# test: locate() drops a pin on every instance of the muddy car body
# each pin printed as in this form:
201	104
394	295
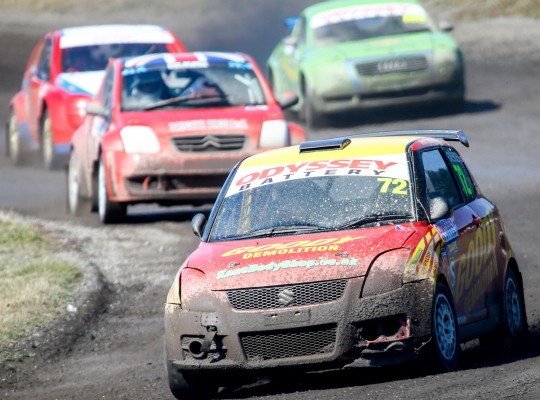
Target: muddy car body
63	72
367	250
168	128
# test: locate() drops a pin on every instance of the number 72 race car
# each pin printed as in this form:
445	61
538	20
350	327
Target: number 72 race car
366	250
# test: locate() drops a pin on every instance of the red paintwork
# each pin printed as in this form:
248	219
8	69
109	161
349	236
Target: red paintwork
90	147
37	95
362	245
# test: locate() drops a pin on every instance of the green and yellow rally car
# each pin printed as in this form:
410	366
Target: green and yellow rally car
346	54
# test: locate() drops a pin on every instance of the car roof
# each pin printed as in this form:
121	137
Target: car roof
336	4
89	35
187	59
355	146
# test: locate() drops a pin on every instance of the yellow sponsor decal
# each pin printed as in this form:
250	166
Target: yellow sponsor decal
423	261
301	246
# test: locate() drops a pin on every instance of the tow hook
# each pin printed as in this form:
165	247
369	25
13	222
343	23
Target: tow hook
208	339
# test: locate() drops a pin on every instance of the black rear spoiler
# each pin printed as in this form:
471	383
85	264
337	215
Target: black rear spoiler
448	135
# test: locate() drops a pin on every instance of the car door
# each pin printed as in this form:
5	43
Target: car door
480	270
38	80
98	124
458	232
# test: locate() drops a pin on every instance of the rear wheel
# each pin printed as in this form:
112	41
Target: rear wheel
48	156
446	345
14	141
109	212
515	318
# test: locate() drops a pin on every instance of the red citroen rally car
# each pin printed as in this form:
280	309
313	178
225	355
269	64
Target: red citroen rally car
340	253
64	71
168	128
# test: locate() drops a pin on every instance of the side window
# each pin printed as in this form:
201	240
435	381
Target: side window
462	174
438	178
44	66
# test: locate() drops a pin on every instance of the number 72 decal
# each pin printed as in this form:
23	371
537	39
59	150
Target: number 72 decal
397	186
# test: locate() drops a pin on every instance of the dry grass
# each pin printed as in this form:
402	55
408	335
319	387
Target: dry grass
34	284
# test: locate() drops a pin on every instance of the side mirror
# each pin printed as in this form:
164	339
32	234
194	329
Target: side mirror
197	224
95	108
446	26
439	208
287	100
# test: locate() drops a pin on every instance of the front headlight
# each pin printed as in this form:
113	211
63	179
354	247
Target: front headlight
386	272
195	295
139	139
274	134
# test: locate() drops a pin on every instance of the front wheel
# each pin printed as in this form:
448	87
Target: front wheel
48	156
109	212
313	118
446	345
76	204
186	386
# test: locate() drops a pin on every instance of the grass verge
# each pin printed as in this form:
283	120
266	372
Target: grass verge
35	285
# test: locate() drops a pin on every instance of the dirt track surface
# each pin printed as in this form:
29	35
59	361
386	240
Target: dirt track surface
116	353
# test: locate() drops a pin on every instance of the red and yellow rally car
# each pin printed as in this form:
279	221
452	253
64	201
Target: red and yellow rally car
64	71
168	128
341	253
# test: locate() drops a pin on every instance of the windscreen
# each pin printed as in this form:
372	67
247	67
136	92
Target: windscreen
96	57
322	195
368	21
185	85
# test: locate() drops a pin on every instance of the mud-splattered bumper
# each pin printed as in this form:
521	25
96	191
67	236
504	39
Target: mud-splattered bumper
170	177
348	332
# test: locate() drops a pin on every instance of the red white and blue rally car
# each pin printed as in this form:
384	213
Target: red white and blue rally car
168	128
63	72
364	250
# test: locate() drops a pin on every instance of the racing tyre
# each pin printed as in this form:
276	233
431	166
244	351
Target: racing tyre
48	156
446	346
75	202
514	322
313	118
188	386
109	212
13	137
515	317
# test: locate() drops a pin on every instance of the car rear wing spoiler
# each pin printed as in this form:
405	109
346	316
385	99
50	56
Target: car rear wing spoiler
340	143
448	135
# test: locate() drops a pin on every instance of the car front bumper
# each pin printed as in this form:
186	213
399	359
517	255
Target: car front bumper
349	332
169	178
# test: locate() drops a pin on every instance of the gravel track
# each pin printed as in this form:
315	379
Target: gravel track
115	351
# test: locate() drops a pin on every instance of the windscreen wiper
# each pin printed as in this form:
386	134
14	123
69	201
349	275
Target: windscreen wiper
372	218
184	99
279	230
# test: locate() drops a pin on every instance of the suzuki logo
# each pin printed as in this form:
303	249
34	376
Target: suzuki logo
285	297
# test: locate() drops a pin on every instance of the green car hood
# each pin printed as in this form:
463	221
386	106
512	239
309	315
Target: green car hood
422	42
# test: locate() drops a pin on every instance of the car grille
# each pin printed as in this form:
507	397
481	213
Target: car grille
202	143
286	296
289	343
405	64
